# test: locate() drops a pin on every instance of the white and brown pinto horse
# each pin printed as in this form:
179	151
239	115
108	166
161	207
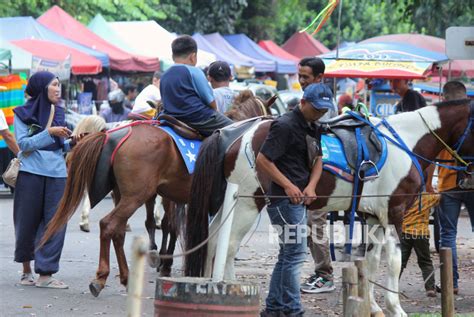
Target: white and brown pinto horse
398	177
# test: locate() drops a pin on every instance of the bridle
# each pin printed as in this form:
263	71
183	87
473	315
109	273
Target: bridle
466	161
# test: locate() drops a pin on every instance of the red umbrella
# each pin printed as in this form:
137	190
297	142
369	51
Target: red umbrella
81	64
431	43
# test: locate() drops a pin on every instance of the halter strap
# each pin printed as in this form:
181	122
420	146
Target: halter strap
262	106
447	147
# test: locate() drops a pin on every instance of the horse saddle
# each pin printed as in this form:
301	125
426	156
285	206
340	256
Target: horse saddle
181	128
352	146
227	137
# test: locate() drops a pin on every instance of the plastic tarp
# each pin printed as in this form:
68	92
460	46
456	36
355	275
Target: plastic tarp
20	28
272	48
304	45
380	60
99	26
5	54
81	64
244	44
151	39
61	22
431	43
21	59
260	65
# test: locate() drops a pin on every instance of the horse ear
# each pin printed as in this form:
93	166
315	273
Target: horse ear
271	101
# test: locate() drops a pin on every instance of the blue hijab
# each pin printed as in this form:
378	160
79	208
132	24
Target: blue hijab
37	109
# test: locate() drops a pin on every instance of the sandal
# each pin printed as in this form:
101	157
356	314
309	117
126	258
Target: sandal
51	283
27	279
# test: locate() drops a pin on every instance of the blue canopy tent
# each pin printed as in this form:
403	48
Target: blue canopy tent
221	55
260	65
245	45
20	28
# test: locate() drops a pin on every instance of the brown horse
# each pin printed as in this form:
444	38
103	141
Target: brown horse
385	199
146	164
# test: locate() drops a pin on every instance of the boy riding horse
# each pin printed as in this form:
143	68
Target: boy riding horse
185	92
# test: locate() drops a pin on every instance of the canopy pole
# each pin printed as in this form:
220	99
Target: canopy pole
440	74
338	29
449	71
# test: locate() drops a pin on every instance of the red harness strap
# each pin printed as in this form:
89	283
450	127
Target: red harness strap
129	133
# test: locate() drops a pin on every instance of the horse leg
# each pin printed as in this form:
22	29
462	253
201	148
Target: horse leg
86	208
165	230
212	244
125	209
170	228
158	209
394	259
374	240
104	256
150	226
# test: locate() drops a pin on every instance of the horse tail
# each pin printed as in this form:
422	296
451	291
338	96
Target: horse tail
197	217
81	173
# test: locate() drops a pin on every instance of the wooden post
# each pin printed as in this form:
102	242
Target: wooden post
363	288
135	279
447	298
349	289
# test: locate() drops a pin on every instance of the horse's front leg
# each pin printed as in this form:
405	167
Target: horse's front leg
85	210
375	240
103	270
394	259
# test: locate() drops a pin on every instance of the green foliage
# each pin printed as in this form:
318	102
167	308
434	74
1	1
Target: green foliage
268	19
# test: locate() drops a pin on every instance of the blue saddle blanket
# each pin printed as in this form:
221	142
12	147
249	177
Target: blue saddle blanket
334	157
189	149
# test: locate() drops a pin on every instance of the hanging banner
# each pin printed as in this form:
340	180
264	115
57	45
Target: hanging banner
62	69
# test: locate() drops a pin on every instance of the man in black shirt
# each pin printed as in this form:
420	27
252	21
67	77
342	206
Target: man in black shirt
283	157
411	100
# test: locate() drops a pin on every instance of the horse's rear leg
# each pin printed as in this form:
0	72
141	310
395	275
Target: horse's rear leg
375	240
150	224
85	210
394	259
158	210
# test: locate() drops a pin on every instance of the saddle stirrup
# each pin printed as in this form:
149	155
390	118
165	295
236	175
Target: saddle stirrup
371	177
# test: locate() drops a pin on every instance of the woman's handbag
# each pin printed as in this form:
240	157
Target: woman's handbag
11	173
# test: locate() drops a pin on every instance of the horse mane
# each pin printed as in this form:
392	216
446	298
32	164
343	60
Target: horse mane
90	124
245	105
456	102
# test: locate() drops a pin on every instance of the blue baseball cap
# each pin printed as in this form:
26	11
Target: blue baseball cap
319	95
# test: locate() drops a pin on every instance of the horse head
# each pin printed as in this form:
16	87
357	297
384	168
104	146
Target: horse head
462	136
247	105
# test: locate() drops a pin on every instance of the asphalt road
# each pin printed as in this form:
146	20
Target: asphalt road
254	262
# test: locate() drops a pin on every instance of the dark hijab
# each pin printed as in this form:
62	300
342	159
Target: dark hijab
37	109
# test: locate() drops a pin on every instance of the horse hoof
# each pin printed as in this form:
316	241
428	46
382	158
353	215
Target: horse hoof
158	226
85	227
377	314
95	288
154	258
128	228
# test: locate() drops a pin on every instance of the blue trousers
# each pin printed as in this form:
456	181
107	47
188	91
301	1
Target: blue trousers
35	203
290	222
450	208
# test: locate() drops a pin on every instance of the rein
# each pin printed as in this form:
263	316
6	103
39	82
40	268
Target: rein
453	153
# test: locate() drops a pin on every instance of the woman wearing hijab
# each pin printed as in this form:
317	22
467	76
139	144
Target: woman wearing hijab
41	180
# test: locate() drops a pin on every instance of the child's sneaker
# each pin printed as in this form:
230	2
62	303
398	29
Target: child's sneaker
317	284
